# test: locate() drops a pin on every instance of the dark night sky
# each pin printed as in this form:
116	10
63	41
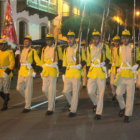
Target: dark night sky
127	2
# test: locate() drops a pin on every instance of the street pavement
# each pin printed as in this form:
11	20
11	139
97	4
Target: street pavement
35	125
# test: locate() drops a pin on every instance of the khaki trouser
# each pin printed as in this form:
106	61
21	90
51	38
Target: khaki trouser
5	84
49	89
25	88
128	85
138	80
96	86
112	78
84	76
71	91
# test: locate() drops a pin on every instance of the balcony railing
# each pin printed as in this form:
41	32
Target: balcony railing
67	14
42	5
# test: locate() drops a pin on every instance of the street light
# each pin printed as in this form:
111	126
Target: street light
137	13
119	21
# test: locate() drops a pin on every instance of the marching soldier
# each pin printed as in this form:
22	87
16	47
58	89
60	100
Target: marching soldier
72	70
49	59
7	63
114	64
98	57
26	72
126	77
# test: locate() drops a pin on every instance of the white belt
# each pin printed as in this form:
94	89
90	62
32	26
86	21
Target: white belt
75	67
53	65
133	69
100	66
126	68
4	67
96	66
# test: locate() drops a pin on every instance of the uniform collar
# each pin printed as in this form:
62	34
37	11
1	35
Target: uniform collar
129	45
74	46
99	45
27	48
50	46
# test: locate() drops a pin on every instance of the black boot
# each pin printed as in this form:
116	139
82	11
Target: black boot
126	119
114	98
49	112
98	117
71	114
26	110
121	113
2	95
5	104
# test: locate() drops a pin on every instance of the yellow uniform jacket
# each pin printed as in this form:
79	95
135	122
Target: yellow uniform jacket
94	60
125	61
48	63
7	61
28	55
69	60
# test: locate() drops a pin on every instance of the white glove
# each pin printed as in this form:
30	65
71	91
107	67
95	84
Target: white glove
5	75
118	70
102	64
104	69
134	68
17	52
34	74
63	77
78	66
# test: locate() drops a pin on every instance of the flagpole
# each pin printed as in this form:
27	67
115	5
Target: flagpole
80	35
134	14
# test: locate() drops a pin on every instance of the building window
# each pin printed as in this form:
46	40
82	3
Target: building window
22	31
44	31
76	11
66	9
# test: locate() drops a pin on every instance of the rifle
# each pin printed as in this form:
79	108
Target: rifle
80	36
139	40
87	35
103	27
105	20
56	41
134	32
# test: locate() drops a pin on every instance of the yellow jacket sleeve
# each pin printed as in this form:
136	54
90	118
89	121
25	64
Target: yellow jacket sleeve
137	54
83	55
11	59
36	58
88	56
64	58
60	54
108	54
42	56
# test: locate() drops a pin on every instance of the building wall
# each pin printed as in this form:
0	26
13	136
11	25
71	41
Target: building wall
34	23
2	11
